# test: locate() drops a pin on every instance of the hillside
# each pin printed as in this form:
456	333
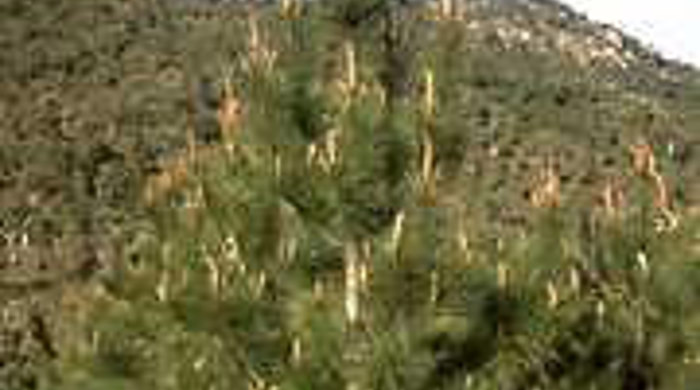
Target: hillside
348	194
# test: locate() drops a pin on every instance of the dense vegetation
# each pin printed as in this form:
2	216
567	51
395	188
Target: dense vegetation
359	194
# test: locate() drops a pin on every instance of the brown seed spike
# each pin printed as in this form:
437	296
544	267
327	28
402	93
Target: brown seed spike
546	192
612	198
429	98
229	117
172	176
290	9
446	9
643	158
644	163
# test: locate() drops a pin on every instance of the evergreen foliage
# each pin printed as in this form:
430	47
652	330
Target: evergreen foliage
346	236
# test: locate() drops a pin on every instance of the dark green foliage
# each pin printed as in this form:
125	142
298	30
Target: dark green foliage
354	15
240	277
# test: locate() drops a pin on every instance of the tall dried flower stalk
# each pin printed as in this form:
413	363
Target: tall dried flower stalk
397	233
643	262
215	274
502	274
276	157
463	244
427	164
447	8
254	42
287	242
224	260
427	172
552	295
258	283
229	115
173	174
351	66
547	188
164	284
325	152
296	354
348	83
221	261
644	163
574	280
365	255
429	96
290	9
434	286
444	10
318	290
356	277
260	56
352	283
163	287
612	198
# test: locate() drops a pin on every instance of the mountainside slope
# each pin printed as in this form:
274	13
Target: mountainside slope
111	85
350	193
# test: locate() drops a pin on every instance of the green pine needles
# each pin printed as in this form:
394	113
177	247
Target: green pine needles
365	224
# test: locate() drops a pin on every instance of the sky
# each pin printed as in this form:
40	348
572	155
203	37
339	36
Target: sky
670	26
